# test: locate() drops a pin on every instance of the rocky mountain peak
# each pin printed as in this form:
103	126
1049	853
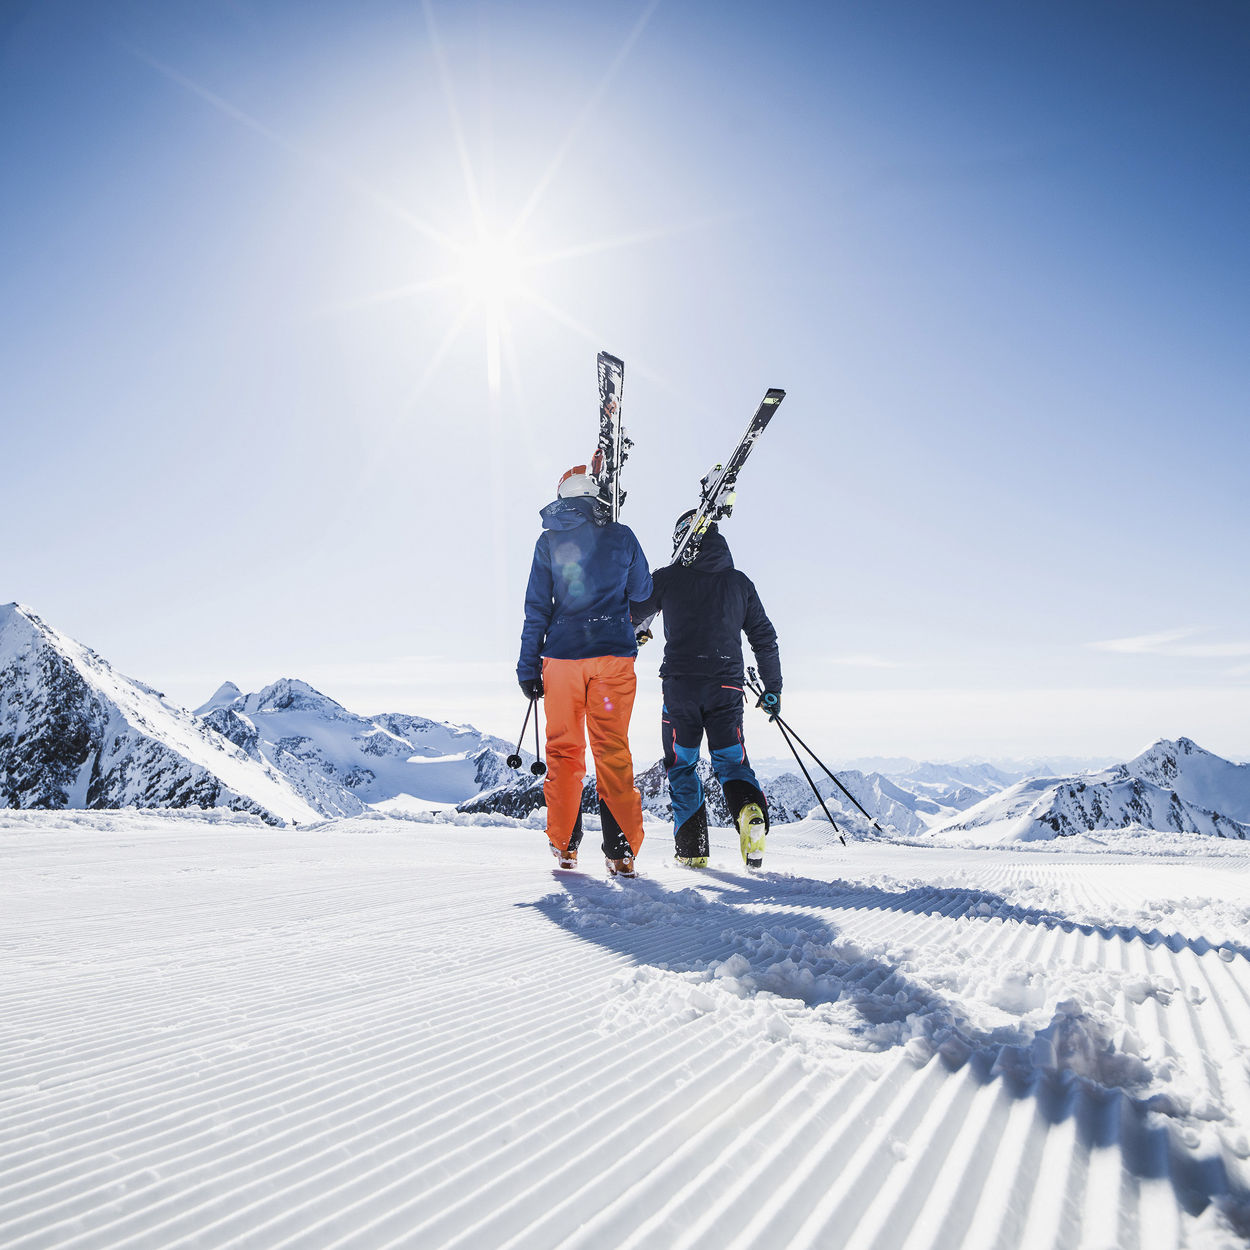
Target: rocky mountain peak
223	696
289	694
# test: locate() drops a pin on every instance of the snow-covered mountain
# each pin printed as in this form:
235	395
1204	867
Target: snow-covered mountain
343	761
953	786
894	807
76	733
1173	786
945	788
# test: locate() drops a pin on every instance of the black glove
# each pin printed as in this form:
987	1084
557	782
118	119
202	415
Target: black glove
532	688
770	701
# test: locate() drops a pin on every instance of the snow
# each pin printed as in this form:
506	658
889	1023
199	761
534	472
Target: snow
412	1031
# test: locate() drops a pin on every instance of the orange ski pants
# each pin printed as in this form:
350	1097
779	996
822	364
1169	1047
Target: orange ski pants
590	697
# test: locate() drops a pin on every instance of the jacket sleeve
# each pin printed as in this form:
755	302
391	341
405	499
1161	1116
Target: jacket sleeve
638	585
763	639
539	607
644	609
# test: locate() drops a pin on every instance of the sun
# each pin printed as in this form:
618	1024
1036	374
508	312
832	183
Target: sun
491	269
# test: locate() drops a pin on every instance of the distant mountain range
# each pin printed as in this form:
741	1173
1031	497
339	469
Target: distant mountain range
1173	786
76	733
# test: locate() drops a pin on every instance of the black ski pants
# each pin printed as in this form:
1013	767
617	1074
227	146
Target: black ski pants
694	706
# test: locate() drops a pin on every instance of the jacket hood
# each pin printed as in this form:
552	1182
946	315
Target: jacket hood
567	514
713	555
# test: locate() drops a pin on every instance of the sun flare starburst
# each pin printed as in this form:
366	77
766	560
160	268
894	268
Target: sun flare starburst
490	269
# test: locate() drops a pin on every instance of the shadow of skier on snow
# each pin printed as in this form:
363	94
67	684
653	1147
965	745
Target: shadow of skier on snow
730	939
953	902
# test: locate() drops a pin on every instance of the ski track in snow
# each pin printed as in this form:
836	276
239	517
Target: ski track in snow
384	1034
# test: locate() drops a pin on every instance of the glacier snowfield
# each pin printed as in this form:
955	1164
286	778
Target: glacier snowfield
379	1032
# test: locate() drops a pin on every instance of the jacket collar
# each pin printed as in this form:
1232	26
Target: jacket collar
567	514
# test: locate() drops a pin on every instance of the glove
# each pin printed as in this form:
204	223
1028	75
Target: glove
643	636
770	701
532	688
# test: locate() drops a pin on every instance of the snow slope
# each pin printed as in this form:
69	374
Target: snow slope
345	761
76	733
1173	785
369	1034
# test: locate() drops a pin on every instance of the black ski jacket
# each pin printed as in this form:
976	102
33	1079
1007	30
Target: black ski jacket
707	607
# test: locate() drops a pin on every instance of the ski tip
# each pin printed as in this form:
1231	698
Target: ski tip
775	395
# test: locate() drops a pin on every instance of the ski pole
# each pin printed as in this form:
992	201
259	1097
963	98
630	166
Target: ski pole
514	760
537	767
757	690
810	782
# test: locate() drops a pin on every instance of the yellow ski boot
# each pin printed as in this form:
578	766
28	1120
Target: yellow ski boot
751	827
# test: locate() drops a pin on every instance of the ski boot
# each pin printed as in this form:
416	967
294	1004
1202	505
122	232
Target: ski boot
751	829
567	859
692	861
623	867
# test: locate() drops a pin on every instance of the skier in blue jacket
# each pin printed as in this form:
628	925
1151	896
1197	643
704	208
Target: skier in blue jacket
708	605
577	654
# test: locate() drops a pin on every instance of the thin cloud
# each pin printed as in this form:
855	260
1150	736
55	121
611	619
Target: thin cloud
1171	642
863	661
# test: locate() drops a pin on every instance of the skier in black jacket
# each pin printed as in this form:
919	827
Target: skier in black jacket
707	606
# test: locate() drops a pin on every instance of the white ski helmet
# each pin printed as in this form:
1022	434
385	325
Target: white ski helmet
577	483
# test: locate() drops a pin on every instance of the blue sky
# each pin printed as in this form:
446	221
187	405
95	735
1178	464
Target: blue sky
264	414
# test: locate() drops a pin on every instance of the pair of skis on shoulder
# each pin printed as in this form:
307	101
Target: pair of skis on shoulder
717	490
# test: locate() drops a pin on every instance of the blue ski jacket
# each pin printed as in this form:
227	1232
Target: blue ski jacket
586	570
707	607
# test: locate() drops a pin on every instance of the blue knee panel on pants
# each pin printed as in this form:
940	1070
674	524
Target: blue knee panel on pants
684	786
730	764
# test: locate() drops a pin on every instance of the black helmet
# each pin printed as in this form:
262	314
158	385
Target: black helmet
683	524
706	527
